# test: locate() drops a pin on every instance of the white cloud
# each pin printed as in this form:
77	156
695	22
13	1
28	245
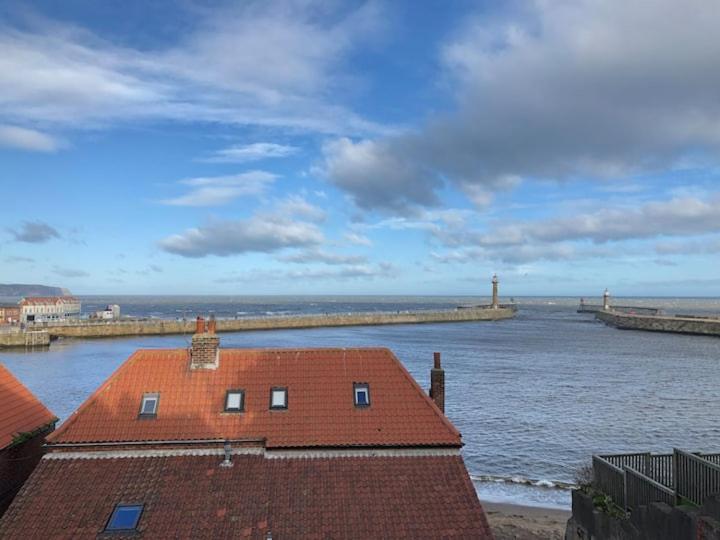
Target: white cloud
291	223
560	91
279	64
28	139
240	153
219	190
357	239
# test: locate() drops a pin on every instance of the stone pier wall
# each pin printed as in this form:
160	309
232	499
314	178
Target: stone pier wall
160	327
39	338
660	323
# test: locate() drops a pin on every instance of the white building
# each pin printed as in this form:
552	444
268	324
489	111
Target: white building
49	308
110	313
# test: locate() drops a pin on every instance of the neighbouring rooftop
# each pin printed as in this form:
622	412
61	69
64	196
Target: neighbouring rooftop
156	396
20	411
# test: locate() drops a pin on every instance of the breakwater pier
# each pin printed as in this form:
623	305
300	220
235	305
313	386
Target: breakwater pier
102	329
678	324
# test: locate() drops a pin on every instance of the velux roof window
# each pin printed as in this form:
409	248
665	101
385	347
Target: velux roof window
125	517
235	401
149	405
362	394
278	398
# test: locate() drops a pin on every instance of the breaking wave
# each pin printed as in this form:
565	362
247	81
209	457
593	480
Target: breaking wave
521	480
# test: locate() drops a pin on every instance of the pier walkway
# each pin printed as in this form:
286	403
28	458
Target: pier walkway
87	329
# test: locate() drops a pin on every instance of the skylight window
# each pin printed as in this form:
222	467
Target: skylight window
362	394
125	517
278	398
149	405
235	401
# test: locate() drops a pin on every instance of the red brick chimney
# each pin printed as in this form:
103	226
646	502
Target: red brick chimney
437	383
205	349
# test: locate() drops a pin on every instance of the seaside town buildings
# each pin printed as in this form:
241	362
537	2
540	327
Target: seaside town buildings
49	308
9	314
24	423
264	444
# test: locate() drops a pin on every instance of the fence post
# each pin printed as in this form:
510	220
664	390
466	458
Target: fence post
676	476
625	490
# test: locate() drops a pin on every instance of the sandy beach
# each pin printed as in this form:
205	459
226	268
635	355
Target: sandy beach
513	522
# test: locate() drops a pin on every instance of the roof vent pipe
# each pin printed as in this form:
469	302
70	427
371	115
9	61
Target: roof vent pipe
227	462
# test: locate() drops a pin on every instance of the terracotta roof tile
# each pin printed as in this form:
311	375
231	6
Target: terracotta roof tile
192	497
321	410
20	410
45	300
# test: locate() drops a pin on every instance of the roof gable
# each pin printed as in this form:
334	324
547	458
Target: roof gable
20	410
321	410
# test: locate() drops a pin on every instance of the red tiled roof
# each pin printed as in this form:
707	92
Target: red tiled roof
44	300
309	499
321	410
20	410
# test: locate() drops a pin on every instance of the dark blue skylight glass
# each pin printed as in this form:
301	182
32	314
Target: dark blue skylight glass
124	517
362	397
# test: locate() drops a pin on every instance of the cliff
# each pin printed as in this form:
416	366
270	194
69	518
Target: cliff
19	290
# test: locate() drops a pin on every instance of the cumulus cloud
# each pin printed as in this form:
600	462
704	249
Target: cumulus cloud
684	216
597	234
242	153
287	63
28	139
291	223
564	90
219	190
34	232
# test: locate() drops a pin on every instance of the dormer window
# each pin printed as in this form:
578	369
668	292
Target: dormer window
125	517
278	398
235	401
149	405
362	394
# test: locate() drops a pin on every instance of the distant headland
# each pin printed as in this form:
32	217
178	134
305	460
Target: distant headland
20	290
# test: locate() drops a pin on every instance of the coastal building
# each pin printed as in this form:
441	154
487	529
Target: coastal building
49	308
264	444
110	313
24	423
9	314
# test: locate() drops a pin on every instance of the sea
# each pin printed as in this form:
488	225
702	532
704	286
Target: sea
534	397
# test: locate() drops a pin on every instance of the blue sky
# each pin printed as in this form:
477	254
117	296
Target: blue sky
361	147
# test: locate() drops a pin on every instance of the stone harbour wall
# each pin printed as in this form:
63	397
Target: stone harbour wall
40	338
660	323
160	327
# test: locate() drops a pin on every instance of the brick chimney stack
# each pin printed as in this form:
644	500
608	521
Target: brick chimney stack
437	383
205	349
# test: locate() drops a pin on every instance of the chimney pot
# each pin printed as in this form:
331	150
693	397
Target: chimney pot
437	383
200	325
212	324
